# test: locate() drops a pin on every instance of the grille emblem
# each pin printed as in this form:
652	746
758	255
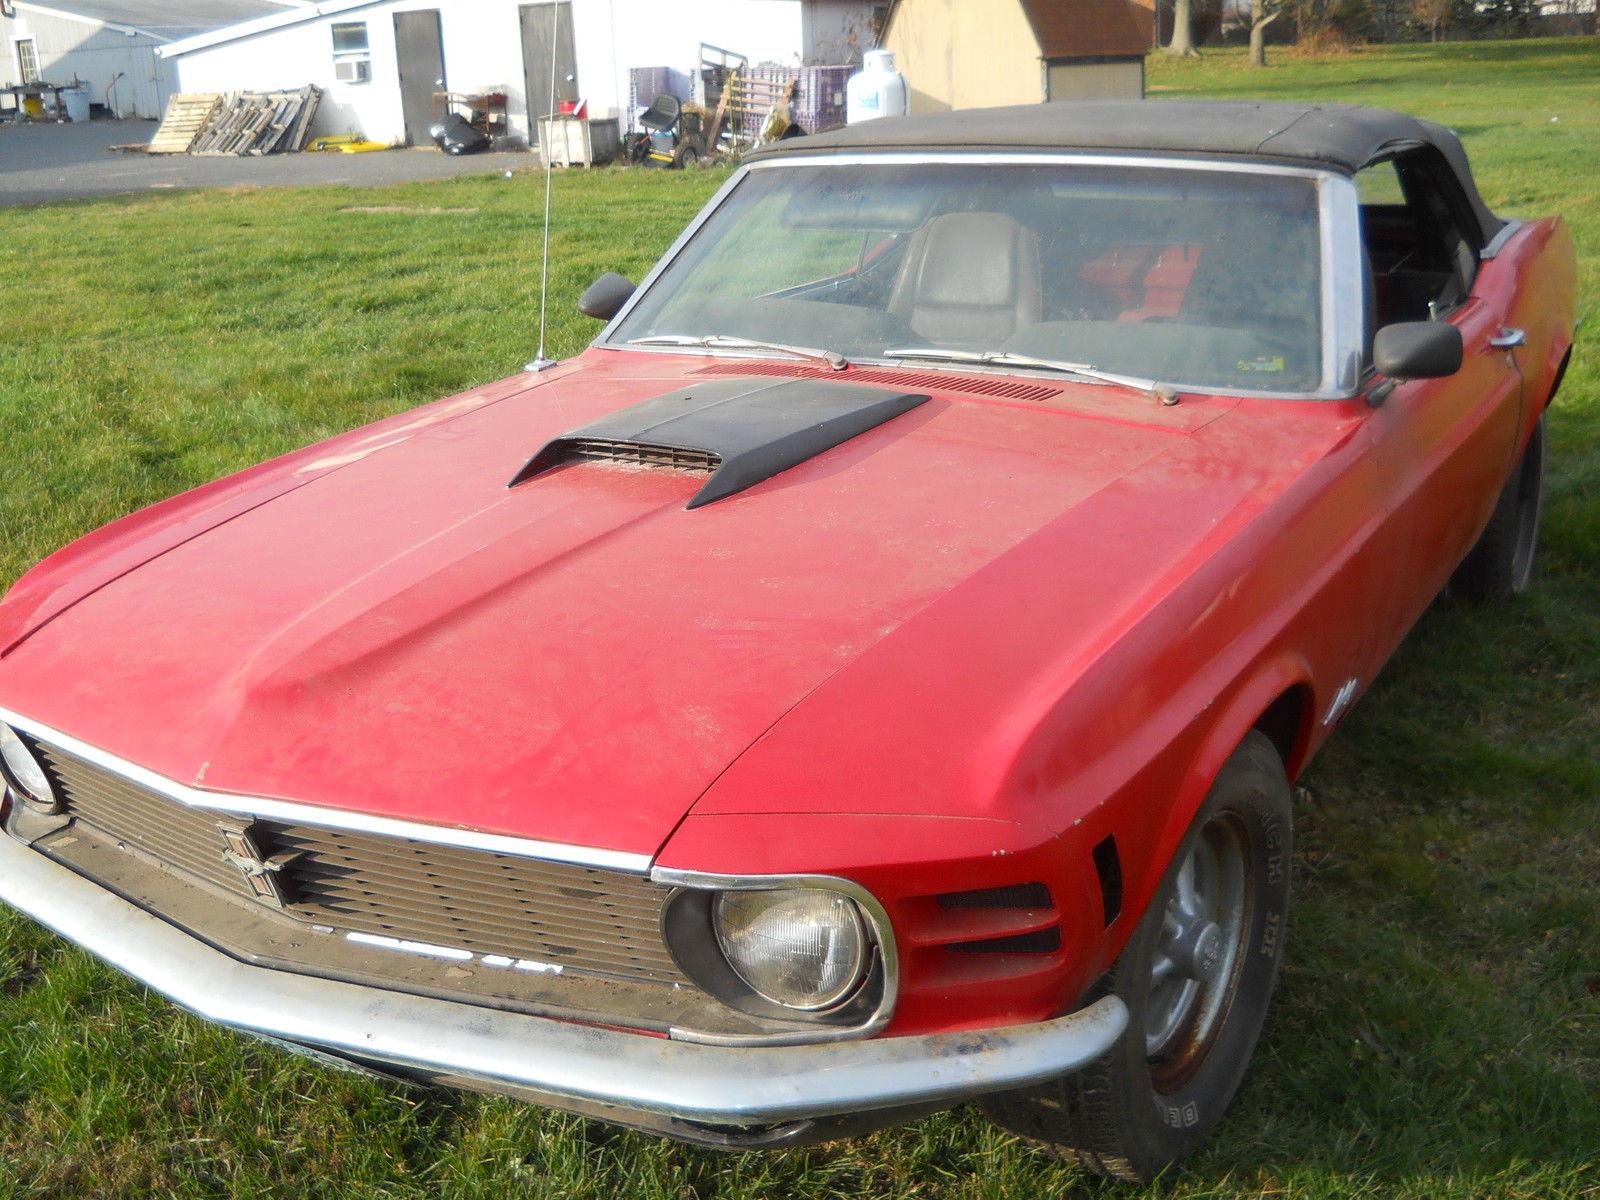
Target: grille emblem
262	875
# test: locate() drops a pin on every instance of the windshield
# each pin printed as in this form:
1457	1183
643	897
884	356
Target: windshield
1194	277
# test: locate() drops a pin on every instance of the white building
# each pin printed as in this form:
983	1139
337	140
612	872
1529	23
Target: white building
379	62
110	45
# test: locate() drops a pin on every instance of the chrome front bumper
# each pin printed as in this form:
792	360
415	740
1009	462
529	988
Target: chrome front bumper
624	1076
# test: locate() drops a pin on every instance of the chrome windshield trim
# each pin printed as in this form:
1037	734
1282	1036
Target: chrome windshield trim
662	263
327	818
543	1058
1342	336
1343	288
877	921
975	369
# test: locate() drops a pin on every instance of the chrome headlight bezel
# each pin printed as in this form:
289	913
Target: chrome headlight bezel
689	929
24	774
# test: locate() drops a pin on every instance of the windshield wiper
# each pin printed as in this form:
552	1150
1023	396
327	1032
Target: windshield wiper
726	341
1004	358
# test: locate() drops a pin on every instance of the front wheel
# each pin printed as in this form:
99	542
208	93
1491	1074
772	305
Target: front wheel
1197	976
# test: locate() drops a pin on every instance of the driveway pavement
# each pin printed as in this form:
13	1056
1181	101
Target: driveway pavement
45	161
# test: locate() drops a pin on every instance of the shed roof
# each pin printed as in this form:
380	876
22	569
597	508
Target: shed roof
276	14
1091	28
168	20
1081	28
1340	137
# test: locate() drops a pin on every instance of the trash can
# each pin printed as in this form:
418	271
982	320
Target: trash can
76	101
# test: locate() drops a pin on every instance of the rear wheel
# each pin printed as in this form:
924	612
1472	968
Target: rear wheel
1500	564
1197	976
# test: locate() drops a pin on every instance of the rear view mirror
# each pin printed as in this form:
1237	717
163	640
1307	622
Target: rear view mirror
1417	350
605	296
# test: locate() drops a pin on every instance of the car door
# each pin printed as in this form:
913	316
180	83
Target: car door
1444	445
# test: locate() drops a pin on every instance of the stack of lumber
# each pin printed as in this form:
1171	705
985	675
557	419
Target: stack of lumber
186	116
259	123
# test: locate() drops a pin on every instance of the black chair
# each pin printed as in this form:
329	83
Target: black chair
662	114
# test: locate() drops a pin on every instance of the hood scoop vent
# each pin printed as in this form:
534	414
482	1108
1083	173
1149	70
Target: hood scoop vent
739	431
669	458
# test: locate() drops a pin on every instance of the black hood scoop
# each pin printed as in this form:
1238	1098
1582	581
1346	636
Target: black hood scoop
740	431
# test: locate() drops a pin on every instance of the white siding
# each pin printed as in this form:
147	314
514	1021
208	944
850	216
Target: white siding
121	69
483	52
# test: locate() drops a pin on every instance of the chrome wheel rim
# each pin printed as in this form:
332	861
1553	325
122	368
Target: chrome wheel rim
1195	967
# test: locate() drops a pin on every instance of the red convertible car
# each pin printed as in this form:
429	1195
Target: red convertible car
869	677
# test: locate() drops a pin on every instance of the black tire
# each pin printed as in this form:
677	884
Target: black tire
686	157
1130	1115
1500	563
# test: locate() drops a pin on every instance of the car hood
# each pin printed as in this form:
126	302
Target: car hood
575	659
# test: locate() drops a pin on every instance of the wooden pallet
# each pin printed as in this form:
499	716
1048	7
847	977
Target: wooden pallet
186	115
259	123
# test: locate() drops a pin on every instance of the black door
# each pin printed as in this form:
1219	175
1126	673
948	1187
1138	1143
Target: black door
419	50
546	27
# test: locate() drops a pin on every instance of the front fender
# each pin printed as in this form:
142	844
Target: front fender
1226	724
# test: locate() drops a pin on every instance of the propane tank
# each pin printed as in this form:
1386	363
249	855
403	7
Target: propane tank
877	90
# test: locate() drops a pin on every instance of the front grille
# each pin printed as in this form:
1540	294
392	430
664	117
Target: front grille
1015	895
579	918
1043	941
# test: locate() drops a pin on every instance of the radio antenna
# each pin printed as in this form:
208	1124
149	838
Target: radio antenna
540	362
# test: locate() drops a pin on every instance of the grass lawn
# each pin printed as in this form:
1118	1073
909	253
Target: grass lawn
1438	1028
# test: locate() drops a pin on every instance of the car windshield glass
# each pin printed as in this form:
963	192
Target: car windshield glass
1194	277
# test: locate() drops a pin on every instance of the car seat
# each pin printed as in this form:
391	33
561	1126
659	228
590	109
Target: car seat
969	278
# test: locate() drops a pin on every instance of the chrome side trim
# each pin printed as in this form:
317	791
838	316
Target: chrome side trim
878	922
1341	277
493	1050
327	818
1342	699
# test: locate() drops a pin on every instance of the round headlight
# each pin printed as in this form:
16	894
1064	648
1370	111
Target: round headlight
800	947
23	770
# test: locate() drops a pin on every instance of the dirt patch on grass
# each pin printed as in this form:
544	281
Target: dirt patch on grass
26	970
407	208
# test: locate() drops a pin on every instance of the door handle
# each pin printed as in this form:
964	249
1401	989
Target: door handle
1508	339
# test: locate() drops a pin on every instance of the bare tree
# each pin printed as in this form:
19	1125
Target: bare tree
1182	43
1262	14
1432	13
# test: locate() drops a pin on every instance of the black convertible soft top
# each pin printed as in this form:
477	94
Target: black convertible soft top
1339	137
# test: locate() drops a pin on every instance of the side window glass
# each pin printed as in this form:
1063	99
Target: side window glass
1379	184
1456	254
1422	262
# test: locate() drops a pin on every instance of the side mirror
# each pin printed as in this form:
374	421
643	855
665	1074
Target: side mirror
1417	350
605	297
